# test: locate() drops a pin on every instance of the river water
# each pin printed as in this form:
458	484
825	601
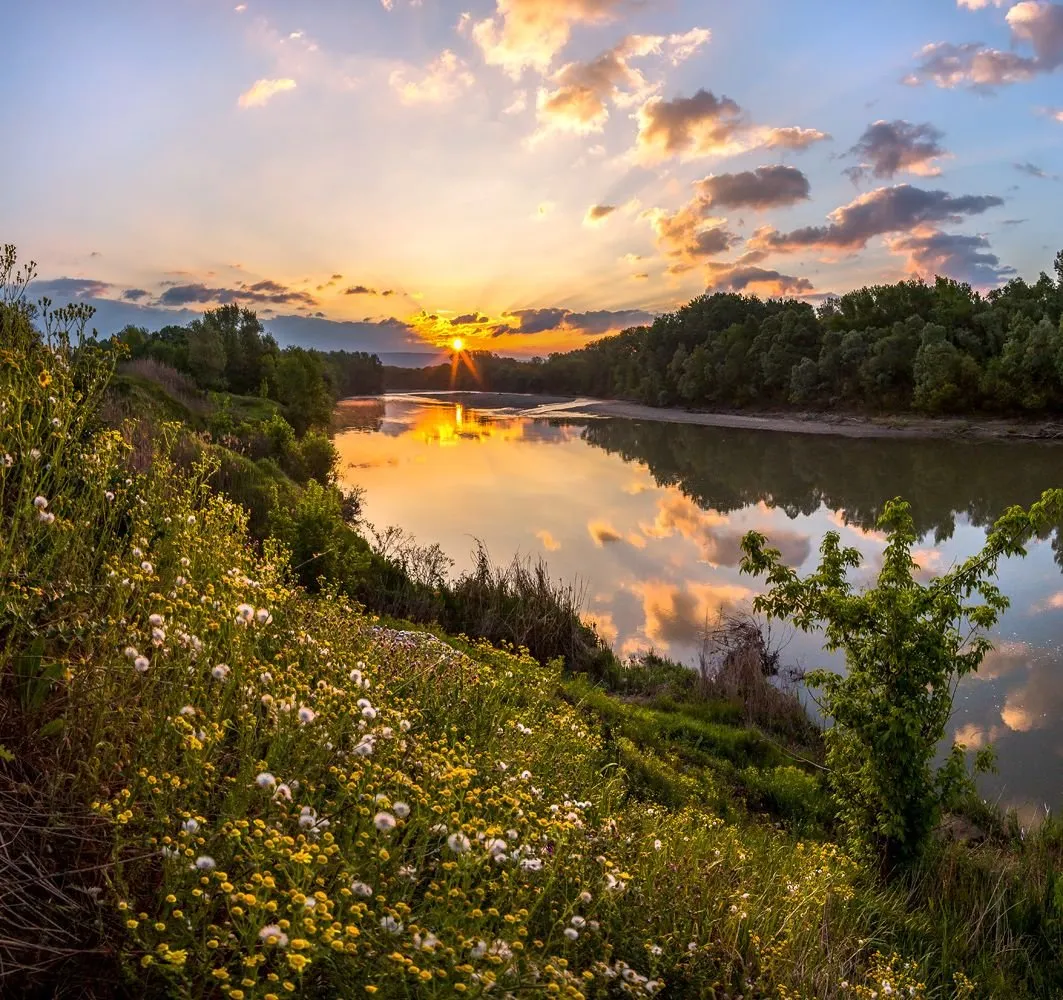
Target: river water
649	516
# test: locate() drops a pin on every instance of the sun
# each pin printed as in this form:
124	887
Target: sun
457	343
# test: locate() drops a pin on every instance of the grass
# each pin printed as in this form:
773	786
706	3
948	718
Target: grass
217	784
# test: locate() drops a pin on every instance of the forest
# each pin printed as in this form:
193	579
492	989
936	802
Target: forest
228	350
941	348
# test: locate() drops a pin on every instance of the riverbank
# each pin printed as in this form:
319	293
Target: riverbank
838	424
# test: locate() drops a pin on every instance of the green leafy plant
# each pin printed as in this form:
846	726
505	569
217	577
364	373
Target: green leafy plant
907	644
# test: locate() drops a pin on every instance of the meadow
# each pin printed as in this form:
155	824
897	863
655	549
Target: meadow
220	783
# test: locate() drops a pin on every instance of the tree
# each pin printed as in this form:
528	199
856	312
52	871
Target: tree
206	356
907	645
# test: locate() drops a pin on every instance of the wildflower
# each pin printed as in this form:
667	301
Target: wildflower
369	712
571	933
404	725
205	863
265	780
532	864
147	567
35	453
361	889
41	503
130	652
188	710
384	822
309	903
283	792
391	925
266	677
578	921
458	843
479	949
156	619
158	636
244	614
656	845
45	516
263	617
306	715
186	562
220	672
401	809
191	519
141	664
585	897
109	495
656	950
56	422
308	820
189	826
272	934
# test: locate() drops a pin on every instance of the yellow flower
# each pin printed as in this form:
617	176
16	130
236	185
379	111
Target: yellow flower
44	379
298	962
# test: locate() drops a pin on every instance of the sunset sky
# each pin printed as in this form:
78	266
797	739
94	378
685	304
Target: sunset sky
385	174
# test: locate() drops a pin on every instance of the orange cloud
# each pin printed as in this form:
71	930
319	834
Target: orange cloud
262	90
550	543
445	79
604	533
679	613
602	622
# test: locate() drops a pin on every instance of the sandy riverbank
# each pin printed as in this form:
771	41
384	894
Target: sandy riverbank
842	425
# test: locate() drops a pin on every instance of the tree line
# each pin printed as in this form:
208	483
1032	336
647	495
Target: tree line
228	350
940	348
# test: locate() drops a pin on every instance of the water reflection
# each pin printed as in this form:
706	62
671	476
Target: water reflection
649	517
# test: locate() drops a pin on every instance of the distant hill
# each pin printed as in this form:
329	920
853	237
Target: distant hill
411	359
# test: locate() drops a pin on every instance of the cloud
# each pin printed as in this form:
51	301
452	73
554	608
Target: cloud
701	125
965	258
680	613
550	543
764	187
707	125
602	622
1035	171
360	290
266	291
529	33
1033	22
518	104
598	213
887	148
262	90
70	288
979	4
136	294
718	541
469	318
445	79
579	101
530	321
604	533
791	137
900	208
738	277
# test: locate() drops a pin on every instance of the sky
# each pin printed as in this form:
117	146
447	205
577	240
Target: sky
525	174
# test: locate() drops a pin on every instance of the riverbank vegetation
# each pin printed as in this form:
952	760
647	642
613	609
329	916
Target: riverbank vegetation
938	348
223	776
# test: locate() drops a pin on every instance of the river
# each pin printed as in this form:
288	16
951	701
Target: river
648	517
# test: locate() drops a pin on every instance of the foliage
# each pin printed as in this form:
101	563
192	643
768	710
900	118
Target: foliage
907	645
934	348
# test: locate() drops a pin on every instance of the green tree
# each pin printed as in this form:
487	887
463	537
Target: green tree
907	645
206	356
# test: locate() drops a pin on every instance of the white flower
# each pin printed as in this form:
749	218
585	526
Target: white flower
571	933
8	461
263	617
656	845
56	422
532	864
35	453
156	619
404	725
585	897
205	863
189	826
272	934
188	710
306	715
309	903
578	921
45	516
141	664
369	712
656	950
158	636
244	614
266	677
401	809
283	792
220	672
147	567
191	519
186	562
384	822
458	843
479	949
265	780
41	503
391	925
130	652
361	889
109	495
